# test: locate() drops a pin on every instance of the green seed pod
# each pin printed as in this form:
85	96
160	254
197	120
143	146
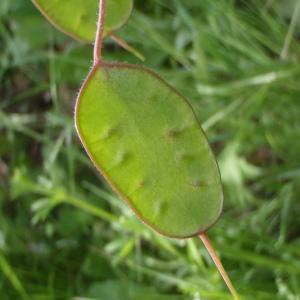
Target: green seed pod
78	18
144	138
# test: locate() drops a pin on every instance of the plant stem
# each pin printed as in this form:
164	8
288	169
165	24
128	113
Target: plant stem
91	209
8	271
127	47
291	30
99	33
212	252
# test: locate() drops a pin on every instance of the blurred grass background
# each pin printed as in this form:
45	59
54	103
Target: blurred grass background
65	235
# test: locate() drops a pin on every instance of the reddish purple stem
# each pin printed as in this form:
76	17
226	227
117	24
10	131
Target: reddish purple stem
99	33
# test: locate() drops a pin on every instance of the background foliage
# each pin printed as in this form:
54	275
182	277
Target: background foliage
64	235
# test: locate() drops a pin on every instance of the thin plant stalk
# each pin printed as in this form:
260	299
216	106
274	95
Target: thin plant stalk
214	256
127	47
99	37
99	33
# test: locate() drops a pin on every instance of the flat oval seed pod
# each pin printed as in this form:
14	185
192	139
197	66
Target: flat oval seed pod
144	138
78	18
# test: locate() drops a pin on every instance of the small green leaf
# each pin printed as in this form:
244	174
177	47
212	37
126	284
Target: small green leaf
78	18
145	140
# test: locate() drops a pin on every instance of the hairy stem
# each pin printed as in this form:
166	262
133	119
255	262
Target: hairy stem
212	252
99	33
